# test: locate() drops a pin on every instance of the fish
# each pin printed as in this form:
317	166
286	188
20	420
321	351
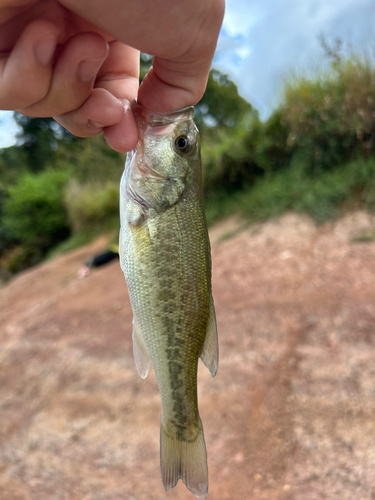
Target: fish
165	256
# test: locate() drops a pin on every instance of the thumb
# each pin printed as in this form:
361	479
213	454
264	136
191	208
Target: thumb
171	85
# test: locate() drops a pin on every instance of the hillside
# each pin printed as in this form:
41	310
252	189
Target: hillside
290	414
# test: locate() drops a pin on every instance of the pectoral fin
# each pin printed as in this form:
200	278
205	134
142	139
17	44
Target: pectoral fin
210	351
134	213
142	361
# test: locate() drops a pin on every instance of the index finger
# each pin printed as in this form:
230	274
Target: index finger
120	76
109	109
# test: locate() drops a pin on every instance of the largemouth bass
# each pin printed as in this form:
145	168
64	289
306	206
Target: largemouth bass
165	256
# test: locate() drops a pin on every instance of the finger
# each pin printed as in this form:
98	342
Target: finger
175	82
25	74
108	107
120	76
123	136
182	36
11	8
103	112
171	85
73	76
100	110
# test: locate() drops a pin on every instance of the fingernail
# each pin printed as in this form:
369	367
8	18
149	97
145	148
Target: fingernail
44	50
87	70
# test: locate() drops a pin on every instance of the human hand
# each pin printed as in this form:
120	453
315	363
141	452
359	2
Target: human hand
79	61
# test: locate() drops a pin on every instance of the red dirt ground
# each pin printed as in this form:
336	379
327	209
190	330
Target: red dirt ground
290	415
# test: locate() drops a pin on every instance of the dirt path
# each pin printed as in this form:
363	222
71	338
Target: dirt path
290	415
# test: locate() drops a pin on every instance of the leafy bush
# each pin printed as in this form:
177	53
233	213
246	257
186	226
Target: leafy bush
228	162
331	116
91	205
322	198
221	106
34	213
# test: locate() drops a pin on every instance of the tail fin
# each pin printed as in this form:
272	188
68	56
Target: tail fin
186	460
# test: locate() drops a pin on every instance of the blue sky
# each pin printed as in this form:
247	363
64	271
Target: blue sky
261	40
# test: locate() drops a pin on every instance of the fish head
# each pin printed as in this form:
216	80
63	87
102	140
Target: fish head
168	149
166	141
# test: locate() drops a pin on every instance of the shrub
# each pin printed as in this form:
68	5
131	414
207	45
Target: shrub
228	161
331	117
91	205
322	198
34	213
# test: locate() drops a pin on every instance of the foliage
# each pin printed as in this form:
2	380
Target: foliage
352	185
90	205
33	212
224	119
12	165
331	117
228	163
91	160
221	106
38	140
269	142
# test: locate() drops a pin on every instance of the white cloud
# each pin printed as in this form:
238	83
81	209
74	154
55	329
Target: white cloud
262	40
240	17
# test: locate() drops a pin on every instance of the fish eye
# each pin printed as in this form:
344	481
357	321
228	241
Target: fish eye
182	144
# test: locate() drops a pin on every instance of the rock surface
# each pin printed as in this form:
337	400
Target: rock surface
290	415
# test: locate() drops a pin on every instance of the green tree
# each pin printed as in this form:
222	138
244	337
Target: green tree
39	139
221	106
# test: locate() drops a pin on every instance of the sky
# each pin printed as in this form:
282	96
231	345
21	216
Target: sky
262	40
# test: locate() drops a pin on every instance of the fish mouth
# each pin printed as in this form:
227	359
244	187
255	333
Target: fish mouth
155	119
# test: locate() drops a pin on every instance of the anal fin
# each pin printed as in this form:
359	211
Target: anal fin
142	361
210	351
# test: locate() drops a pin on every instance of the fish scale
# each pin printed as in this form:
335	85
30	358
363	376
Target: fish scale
165	256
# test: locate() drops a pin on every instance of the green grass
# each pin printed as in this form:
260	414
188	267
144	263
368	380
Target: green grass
326	197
